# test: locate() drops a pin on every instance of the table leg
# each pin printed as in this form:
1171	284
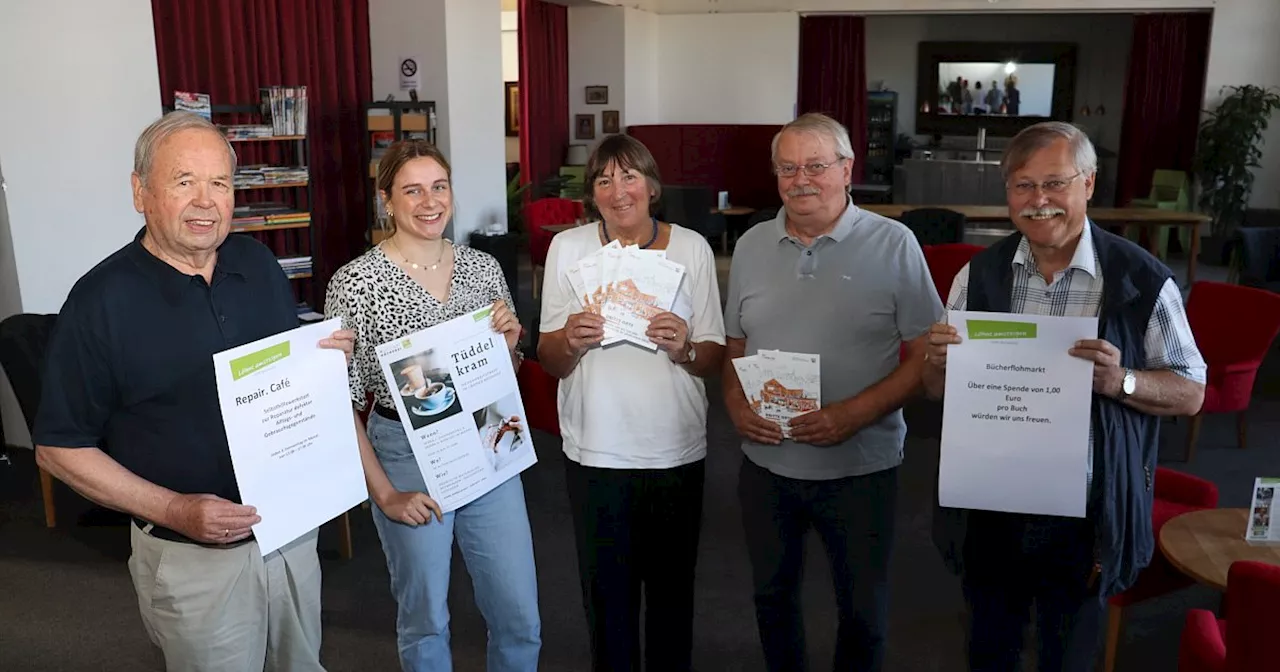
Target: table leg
1153	239
1193	254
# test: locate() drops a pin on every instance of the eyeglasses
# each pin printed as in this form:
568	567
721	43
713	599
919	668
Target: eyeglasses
1027	187
810	169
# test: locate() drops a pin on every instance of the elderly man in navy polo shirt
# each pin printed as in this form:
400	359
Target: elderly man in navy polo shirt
830	279
130	417
1145	365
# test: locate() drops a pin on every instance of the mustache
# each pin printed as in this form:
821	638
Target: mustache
803	191
1041	212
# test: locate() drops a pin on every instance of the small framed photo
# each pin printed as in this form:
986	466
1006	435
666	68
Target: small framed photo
597	95
512	91
609	121
584	127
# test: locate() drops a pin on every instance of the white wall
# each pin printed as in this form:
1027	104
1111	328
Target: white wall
457	43
511	70
597	35
1244	50
641	68
73	75
728	68
476	115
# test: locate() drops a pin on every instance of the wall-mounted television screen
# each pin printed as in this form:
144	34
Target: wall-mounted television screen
1008	89
998	86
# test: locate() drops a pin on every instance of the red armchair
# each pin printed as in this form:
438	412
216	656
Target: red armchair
538	214
539	390
1176	493
945	261
1234	327
1245	639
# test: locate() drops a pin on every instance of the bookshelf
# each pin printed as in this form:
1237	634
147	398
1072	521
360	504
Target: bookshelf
385	123
273	189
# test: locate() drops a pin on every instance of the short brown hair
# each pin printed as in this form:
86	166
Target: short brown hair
626	153
398	154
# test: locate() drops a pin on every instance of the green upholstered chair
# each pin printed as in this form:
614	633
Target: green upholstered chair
1170	190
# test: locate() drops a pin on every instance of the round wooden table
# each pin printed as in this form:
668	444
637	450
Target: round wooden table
1203	544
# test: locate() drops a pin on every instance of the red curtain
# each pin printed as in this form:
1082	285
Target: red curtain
544	89
1163	95
833	75
230	49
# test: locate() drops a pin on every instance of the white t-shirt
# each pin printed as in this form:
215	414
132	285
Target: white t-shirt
624	407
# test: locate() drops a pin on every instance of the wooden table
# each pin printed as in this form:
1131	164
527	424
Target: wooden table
1148	218
1203	544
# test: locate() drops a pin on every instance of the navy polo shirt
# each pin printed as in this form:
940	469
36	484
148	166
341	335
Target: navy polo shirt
130	363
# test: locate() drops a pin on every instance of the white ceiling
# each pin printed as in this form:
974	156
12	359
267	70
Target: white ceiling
897	6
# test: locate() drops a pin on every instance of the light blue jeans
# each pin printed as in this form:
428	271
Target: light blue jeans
497	546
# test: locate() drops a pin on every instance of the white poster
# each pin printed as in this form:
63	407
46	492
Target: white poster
1016	413
459	402
287	410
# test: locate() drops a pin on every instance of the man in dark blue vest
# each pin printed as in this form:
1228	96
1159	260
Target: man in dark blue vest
1145	365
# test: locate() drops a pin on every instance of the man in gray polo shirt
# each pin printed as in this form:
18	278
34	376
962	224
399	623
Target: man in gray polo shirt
826	278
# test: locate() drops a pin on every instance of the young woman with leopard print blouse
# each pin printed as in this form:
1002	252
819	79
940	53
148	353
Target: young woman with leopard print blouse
411	281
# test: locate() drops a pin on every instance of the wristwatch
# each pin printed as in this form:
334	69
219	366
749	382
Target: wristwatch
693	352
1129	384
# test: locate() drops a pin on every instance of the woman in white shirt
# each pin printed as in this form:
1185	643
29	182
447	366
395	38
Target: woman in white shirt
633	420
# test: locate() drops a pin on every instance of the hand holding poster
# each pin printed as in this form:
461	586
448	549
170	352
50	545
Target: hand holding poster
459	403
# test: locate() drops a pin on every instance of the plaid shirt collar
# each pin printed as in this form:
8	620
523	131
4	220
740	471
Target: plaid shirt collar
1084	258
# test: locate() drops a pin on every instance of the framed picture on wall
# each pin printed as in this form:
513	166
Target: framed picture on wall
512	91
597	95
609	121
584	127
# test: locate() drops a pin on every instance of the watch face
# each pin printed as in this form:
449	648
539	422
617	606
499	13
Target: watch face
1130	382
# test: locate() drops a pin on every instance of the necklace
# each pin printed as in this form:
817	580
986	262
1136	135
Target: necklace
415	265
652	239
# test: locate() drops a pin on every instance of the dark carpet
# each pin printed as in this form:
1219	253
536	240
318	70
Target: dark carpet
66	602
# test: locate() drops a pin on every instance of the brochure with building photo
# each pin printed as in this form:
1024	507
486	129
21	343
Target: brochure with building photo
781	385
456	393
627	286
1261	527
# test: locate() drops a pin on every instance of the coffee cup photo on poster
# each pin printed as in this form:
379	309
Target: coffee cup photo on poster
426	388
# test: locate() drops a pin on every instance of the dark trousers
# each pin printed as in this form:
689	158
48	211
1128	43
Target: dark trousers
854	519
637	527
1014	561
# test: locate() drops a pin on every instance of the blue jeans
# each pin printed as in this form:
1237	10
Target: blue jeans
497	546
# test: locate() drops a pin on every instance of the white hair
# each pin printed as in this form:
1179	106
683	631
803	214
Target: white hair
812	122
144	152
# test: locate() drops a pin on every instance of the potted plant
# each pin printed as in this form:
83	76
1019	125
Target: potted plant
1228	148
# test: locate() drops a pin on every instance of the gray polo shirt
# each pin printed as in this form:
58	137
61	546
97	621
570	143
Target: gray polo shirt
852	296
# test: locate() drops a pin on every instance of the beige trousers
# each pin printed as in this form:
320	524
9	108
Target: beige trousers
229	609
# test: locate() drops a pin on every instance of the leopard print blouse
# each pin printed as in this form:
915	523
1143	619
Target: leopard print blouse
380	302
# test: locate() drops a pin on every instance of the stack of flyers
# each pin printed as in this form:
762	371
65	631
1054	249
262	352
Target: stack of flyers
781	385
1261	527
627	286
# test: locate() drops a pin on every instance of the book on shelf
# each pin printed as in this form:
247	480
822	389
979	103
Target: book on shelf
196	103
286	108
247	131
295	266
260	175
